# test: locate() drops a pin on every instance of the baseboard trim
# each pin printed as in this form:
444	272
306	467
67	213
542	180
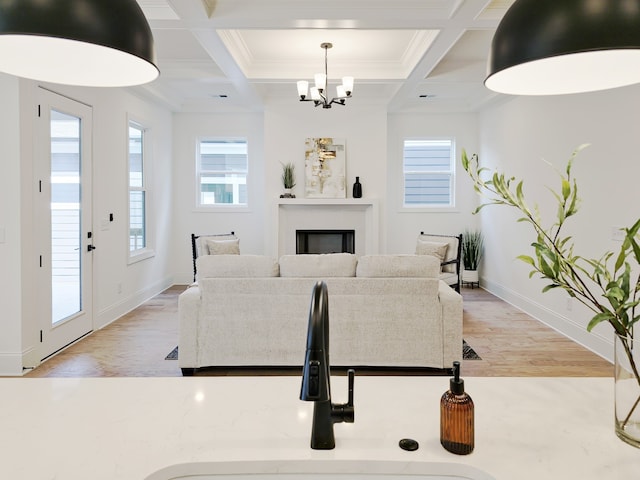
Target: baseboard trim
117	310
567	327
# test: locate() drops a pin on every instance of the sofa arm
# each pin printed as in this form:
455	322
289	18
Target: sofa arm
189	310
451	303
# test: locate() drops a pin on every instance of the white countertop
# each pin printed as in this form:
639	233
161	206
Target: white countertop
129	428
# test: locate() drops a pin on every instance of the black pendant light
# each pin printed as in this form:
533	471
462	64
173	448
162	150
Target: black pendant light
548	47
105	43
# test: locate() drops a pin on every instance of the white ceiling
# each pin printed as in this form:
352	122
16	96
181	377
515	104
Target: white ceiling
425	55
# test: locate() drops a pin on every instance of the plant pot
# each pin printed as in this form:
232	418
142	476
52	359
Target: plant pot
627	389
287	193
470	276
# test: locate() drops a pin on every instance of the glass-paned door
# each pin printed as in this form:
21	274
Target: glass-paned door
64	205
66	221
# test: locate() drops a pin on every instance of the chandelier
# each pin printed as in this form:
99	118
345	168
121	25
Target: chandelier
319	94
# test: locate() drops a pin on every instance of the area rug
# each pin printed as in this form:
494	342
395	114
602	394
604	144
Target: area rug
468	353
173	355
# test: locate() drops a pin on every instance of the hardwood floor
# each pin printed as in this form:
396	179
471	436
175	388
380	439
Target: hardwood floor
510	343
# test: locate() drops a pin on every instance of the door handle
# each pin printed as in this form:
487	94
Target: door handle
90	248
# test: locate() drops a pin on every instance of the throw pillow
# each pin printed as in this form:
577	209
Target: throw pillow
438	250
224	247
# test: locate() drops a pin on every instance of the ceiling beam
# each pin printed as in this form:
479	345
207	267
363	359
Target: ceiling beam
465	18
215	47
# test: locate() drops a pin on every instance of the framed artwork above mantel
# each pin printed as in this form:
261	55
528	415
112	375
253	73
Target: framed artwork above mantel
325	168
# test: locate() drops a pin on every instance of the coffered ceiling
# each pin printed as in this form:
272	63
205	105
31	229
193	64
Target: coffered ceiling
226	55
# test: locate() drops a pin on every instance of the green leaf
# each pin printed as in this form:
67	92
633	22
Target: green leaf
546	269
635	247
550	287
566	188
620	260
526	259
599	318
573	204
465	160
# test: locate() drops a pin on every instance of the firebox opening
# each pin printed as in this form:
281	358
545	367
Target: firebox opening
325	241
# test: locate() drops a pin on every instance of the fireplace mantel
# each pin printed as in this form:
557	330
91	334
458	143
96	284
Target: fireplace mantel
329	201
359	214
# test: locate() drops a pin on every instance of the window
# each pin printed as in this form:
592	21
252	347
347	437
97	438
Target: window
428	172
138	241
222	172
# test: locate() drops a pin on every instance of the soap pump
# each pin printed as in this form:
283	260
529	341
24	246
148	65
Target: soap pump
456	417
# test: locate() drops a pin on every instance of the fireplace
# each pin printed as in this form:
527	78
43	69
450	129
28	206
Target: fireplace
325	241
312	214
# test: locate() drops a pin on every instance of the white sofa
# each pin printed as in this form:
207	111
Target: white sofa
384	310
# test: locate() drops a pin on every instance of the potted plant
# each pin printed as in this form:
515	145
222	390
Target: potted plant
604	285
472	247
288	179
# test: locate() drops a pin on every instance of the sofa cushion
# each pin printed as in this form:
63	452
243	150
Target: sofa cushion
223	247
236	266
398	266
320	266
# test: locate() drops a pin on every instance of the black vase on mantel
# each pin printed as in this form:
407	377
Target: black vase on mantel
357	188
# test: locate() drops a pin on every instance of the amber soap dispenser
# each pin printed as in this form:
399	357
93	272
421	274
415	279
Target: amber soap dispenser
456	417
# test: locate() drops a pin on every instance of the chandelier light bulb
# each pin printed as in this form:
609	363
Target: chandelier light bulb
347	83
321	81
315	94
303	88
340	91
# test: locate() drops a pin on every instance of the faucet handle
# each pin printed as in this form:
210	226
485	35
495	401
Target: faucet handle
348	410
351	374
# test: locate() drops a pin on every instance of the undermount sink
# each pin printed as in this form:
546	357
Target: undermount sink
320	470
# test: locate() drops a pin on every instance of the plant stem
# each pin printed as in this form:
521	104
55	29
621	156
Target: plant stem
634	369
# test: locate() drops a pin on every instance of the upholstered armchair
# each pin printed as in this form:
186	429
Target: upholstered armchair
221	243
448	249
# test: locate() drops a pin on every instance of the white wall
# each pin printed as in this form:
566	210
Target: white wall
247	223
123	286
403	226
364	129
118	287
10	225
277	135
515	137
